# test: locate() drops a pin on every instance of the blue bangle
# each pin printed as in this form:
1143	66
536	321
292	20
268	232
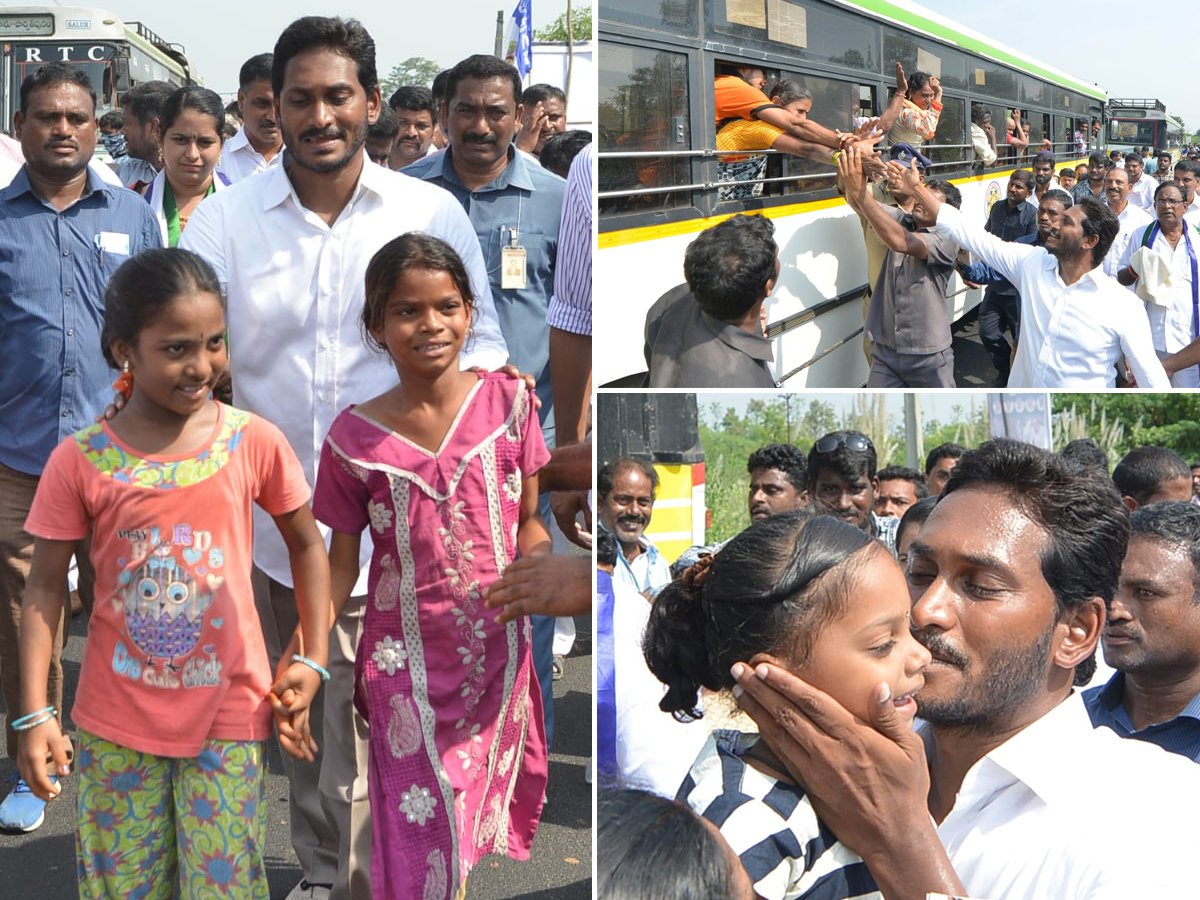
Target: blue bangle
23	722
27	726
319	669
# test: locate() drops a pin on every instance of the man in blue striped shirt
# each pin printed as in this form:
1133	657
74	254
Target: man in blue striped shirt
1152	637
63	232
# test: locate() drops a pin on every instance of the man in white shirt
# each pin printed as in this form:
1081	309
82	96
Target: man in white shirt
1076	322
1187	176
1141	185
998	796
258	143
1131	218
626	488
292	247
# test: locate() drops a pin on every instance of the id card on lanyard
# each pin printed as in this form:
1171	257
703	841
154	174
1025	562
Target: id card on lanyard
512	257
1187	240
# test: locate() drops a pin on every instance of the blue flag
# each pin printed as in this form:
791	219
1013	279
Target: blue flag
520	30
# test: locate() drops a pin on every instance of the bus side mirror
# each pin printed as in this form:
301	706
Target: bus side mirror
121	79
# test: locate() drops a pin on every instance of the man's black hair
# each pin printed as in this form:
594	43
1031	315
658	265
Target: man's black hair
1188	165
787	458
1025	177
539	93
728	266
1135	158
256	68
948	450
950	193
841	460
1086	525
345	37
386	126
55	73
609	471
1144	470
483	66
979	112
415	98
904	473
145	101
560	150
1097	158
1175	522
1085	457
1101	221
1044	156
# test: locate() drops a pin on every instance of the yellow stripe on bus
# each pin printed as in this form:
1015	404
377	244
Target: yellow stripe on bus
695	226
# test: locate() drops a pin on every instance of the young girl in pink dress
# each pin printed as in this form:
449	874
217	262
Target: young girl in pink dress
441	468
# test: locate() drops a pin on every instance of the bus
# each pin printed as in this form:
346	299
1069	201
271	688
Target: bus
1137	123
662	429
658	163
116	55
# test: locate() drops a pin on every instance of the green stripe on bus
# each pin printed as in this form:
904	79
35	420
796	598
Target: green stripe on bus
883	7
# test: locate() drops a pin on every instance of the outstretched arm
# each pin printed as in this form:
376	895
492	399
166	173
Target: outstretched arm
894	235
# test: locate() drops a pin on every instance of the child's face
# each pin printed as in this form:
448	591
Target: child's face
178	358
871	642
425	323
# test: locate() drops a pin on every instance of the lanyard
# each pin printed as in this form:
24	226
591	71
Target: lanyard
1187	240
171	211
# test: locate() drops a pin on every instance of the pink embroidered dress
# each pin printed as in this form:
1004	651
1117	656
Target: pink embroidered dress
457	764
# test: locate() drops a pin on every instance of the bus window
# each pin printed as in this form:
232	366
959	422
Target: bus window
987	79
674	16
811	31
1064	136
643	106
835	105
1033	91
951	131
919	54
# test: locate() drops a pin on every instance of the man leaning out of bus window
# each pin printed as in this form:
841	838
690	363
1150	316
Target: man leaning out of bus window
707	333
907	320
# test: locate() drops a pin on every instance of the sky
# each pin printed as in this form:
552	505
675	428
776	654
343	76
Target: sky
1126	49
220	35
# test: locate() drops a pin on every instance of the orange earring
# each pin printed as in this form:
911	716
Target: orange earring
124	384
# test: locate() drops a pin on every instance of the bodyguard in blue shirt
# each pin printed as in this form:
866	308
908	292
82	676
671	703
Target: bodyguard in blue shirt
63	232
1152	636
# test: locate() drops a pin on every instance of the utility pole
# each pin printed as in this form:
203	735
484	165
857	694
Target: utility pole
500	48
914	432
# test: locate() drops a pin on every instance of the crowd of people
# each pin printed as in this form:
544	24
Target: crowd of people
1062	256
903	670
405	350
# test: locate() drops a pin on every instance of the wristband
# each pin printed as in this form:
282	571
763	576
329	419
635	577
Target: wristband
319	669
26	722
836	154
1132	274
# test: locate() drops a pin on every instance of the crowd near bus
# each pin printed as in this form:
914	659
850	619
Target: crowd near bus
727	110
332	430
903	682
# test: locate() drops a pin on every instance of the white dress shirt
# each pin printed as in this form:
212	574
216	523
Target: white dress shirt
1192	214
1131	219
654	751
1141	192
240	160
295	294
1071	336
1065	811
648	572
1171	328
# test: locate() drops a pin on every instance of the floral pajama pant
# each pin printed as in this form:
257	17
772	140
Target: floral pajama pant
148	823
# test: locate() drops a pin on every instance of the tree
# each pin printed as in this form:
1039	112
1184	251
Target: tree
1179	121
581	27
414	70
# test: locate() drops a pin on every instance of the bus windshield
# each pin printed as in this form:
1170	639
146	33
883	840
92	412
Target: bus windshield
98	73
1141	133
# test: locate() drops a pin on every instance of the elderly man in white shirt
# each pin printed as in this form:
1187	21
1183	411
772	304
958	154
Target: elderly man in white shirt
1076	322
1130	218
292	247
1002	794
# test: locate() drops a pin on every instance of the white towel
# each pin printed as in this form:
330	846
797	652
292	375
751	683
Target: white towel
1154	275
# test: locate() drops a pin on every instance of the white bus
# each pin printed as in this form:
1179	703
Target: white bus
1135	123
115	55
658	165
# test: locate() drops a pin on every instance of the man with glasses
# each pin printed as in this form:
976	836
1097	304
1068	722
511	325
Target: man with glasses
1172	313
842	483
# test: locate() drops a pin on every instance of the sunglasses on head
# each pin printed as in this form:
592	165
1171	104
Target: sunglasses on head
831	442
